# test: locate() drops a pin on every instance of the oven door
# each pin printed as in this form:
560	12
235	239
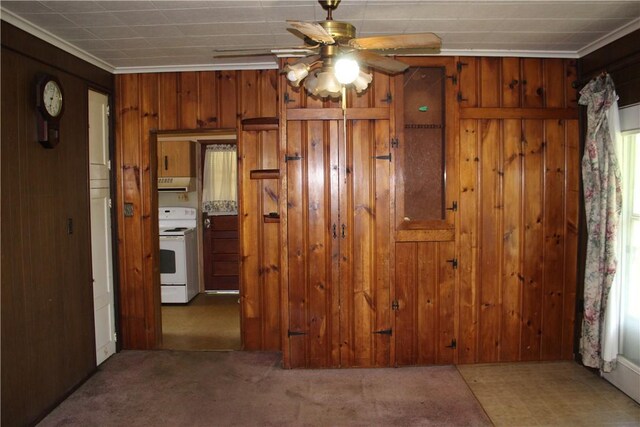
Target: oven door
173	268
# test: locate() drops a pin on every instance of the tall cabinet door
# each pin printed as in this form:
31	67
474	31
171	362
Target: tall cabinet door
338	243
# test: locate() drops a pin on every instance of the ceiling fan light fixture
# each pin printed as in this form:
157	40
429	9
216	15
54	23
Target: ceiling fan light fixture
362	81
328	84
346	70
297	72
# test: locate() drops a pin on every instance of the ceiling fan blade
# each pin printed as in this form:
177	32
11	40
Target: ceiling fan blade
398	41
379	62
279	51
312	30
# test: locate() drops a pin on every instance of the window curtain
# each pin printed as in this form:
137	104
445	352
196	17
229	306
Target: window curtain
603	204
220	181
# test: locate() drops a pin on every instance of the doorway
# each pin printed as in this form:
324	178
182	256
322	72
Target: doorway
211	320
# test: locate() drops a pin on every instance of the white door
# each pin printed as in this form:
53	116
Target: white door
101	255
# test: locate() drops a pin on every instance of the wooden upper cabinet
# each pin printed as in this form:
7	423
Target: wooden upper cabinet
424	150
176	158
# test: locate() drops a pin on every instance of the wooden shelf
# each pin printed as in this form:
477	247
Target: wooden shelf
269	218
265	174
260	123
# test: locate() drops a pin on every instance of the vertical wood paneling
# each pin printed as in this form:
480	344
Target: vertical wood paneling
406	315
426	304
490	240
572	162
489	82
207	100
168	107
188	100
227	100
511	82
532	83
553	270
446	333
468	89
554	90
533	256
468	242
511	241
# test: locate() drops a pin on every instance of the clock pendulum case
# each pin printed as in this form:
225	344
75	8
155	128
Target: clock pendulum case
50	105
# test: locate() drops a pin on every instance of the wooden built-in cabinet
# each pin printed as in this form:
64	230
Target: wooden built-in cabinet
221	266
176	158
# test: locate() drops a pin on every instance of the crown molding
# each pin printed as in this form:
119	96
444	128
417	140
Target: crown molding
510	53
51	38
262	65
609	38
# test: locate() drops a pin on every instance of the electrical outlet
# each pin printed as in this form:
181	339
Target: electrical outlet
128	209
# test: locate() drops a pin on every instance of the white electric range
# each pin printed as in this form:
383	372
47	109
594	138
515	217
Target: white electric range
178	254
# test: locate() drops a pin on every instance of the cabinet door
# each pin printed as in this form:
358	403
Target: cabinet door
176	158
338	244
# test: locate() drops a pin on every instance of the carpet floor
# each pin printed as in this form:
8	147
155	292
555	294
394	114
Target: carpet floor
172	388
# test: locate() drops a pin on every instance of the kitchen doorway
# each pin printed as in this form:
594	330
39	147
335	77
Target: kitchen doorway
211	319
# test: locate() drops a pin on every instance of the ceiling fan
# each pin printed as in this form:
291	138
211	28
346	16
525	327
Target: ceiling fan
333	54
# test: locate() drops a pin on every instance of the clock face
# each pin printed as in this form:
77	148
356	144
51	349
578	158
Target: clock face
52	98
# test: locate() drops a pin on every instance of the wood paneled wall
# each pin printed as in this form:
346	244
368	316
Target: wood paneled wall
48	345
518	215
192	101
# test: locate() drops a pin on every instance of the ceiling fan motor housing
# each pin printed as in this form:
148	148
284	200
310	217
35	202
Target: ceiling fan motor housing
340	31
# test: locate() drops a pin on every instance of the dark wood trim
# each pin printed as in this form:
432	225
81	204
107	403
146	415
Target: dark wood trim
518	113
260	124
264	174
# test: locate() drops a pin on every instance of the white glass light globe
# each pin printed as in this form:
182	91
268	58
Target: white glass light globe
346	70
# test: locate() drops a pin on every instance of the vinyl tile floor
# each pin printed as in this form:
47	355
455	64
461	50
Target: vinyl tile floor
548	394
208	322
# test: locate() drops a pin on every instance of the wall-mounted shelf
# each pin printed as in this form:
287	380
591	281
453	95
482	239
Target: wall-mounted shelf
265	174
271	218
260	123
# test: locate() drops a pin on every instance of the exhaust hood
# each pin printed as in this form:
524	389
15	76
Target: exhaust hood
178	184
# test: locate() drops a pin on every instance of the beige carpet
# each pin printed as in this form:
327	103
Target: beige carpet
172	388
208	322
548	394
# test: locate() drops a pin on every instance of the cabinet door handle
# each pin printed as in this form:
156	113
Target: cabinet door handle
344	234
335	232
166	162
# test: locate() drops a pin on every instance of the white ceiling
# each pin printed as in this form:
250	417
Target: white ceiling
126	36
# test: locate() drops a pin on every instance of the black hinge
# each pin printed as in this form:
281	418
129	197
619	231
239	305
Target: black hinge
453	345
459	65
395	143
291	333
454	206
454	263
384	332
385	157
287	158
454	79
388	99
395	306
460	98
286	98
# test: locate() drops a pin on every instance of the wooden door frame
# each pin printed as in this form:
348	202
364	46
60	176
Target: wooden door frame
199	137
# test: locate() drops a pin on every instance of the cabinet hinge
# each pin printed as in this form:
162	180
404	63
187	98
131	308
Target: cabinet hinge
459	65
395	306
388	98
109	204
115	337
291	333
286	98
385	157
288	158
108	110
384	332
109	164
453	344
460	98
454	263
454	79
454	206
395	143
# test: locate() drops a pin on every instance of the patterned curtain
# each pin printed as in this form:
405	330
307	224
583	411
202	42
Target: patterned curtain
220	180
603	204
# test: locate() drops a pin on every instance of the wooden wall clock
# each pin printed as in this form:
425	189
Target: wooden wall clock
49	101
